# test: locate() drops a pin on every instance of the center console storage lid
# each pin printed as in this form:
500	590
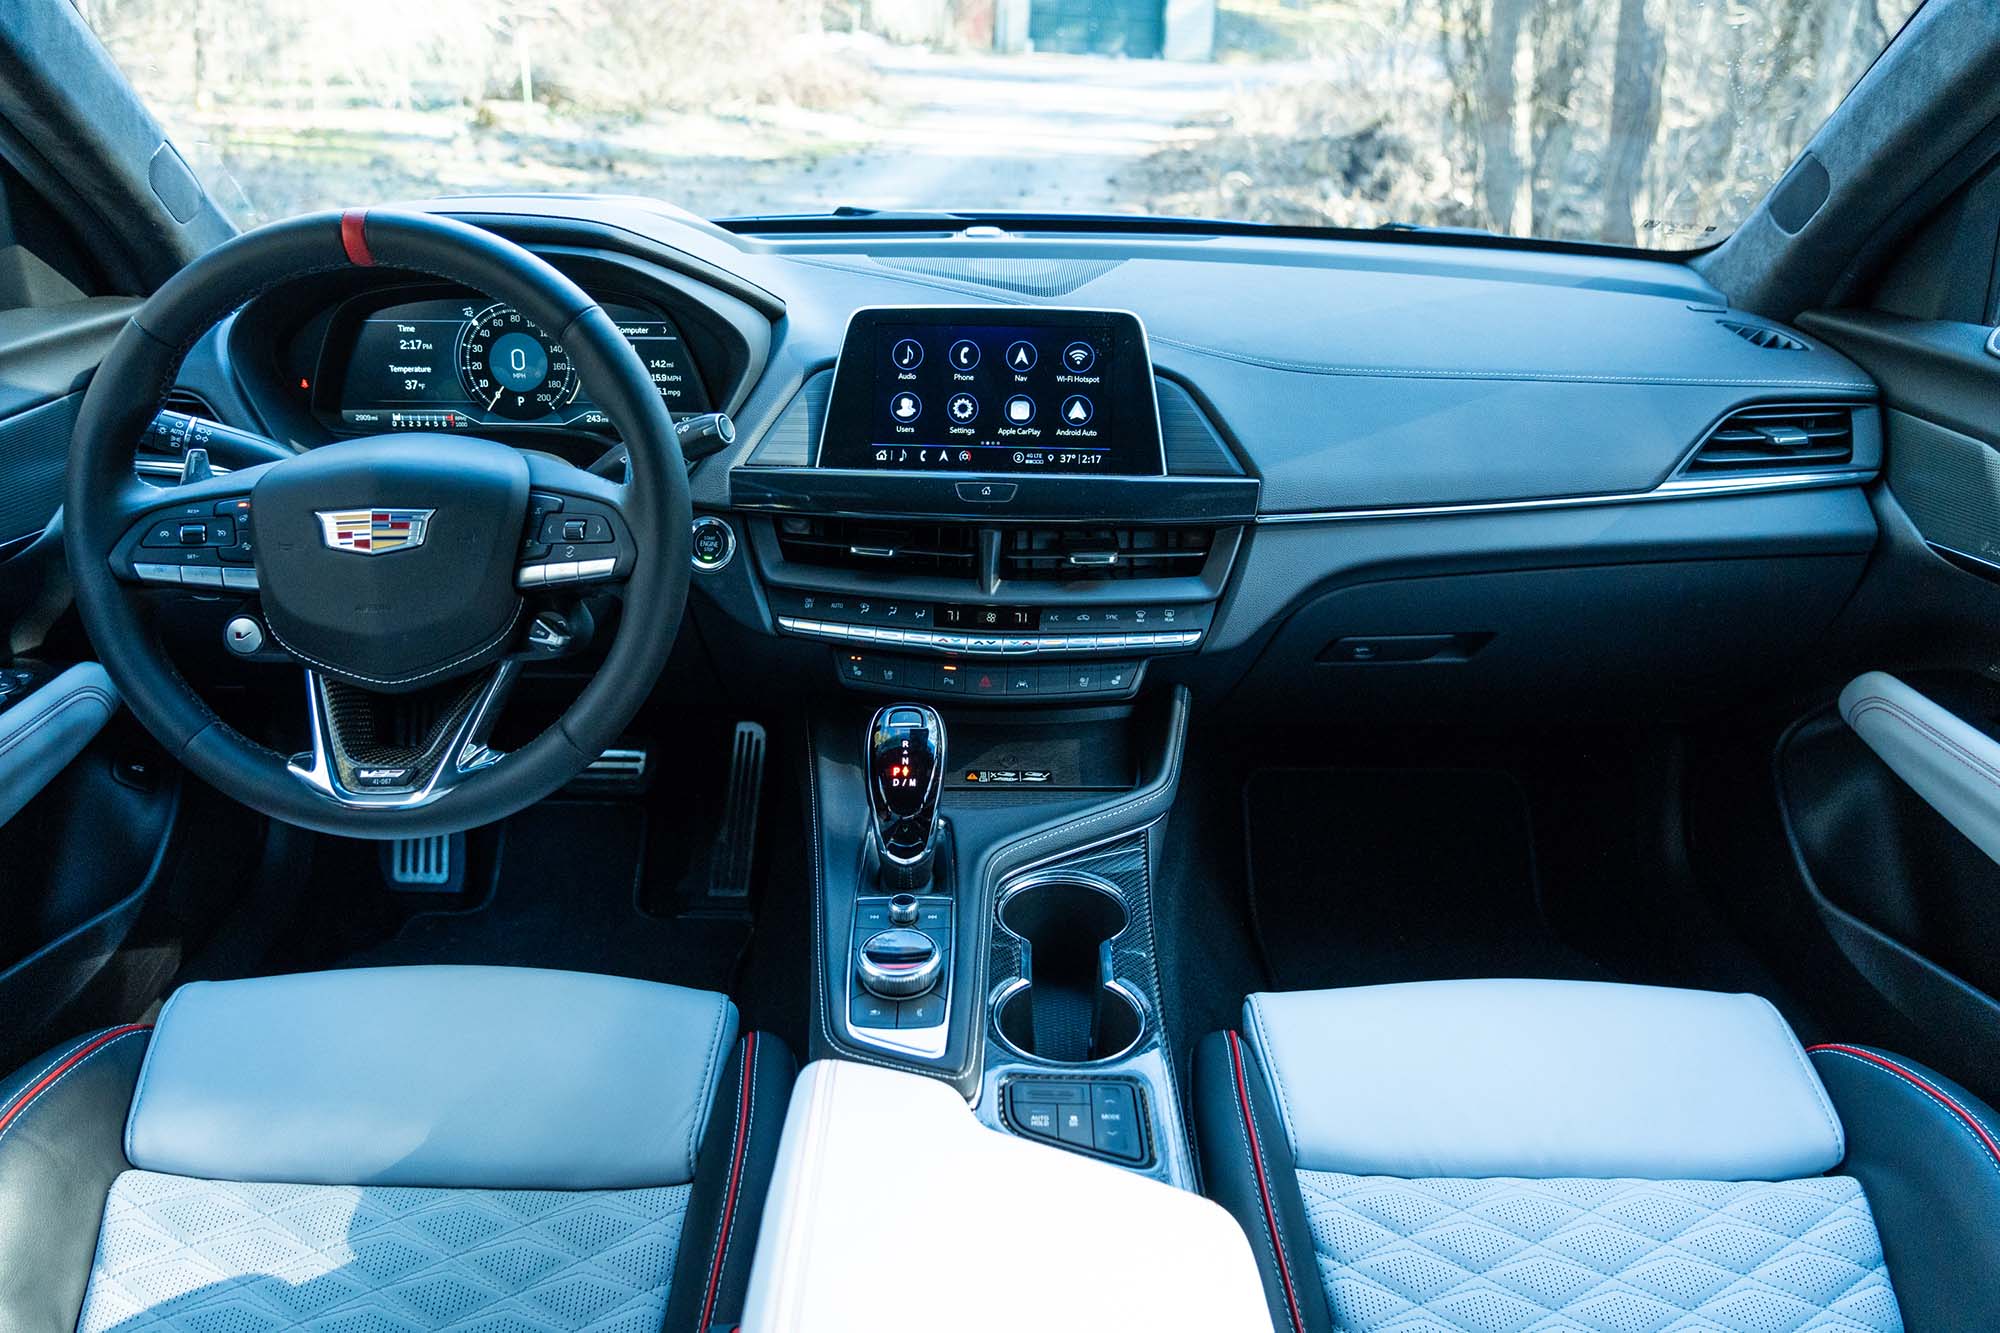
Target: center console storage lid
893	1208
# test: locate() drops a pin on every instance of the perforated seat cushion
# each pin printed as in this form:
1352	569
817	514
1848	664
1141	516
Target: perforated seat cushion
1597	1256
205	1256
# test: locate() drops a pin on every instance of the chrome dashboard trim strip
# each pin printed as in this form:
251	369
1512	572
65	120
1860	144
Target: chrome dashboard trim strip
989	644
1676	488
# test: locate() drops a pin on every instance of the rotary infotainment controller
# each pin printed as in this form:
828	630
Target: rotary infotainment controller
971	390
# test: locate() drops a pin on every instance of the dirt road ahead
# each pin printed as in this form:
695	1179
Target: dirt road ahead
1010	132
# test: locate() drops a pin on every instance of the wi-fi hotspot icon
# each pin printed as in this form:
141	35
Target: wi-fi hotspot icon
1079	355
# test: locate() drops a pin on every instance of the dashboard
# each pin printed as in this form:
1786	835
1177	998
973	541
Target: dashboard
1390	479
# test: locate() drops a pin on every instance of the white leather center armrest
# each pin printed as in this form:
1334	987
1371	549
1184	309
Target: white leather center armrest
894	1208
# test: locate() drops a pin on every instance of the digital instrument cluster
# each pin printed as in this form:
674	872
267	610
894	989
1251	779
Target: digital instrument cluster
463	362
978	390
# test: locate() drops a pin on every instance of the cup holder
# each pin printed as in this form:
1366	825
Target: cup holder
1065	1008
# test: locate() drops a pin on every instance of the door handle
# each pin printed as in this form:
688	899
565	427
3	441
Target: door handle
1952	764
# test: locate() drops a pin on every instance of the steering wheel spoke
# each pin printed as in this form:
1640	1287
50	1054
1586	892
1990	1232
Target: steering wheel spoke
197	536
576	531
374	751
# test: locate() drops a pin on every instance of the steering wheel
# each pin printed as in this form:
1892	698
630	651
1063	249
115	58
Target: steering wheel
386	565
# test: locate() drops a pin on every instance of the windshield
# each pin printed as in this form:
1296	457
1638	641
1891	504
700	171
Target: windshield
1656	123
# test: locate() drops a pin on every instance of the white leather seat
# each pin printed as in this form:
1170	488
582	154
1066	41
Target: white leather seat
1489	1156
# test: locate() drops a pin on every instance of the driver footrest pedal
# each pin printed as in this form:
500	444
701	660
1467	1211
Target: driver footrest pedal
425	865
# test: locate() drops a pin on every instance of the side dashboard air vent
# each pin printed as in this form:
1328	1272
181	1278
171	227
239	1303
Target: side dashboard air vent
943	549
189	403
1052	555
1763	335
1777	438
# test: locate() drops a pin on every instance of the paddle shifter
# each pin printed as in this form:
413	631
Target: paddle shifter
905	777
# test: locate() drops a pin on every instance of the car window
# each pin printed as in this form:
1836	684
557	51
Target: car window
1656	123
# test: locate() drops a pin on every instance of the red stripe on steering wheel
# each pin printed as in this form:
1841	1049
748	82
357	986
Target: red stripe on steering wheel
354	237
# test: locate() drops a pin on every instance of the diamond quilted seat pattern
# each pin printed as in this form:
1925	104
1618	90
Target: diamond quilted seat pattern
202	1256
1598	1256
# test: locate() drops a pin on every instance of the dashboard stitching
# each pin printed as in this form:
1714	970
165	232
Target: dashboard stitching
487	647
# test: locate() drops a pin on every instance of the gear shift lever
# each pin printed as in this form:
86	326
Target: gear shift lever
905	777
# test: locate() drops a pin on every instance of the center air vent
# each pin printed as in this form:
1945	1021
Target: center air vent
944	549
1074	554
1777	438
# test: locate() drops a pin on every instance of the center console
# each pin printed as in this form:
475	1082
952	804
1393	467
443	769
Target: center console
997	935
976	546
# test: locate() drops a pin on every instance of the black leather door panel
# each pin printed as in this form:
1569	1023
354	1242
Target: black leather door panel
1942	429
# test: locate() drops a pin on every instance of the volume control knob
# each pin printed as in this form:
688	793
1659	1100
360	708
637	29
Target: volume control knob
898	963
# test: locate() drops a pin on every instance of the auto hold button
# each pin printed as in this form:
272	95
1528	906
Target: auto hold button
1036	1118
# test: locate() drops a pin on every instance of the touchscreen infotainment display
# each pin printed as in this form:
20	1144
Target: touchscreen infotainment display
980	390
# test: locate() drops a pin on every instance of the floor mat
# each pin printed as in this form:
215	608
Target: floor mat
1363	876
565	893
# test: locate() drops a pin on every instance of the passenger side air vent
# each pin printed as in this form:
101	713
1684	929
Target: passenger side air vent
881	547
1762	335
1777	438
1052	555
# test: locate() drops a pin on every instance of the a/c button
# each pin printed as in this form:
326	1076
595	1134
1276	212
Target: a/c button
987	492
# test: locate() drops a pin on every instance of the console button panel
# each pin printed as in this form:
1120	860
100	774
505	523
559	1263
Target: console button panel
868	1010
1014	681
1105	1117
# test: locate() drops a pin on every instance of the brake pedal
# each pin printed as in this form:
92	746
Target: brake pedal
425	865
736	836
623	771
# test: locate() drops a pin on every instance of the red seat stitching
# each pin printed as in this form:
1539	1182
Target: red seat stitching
735	1178
1938	1094
69	1062
1264	1185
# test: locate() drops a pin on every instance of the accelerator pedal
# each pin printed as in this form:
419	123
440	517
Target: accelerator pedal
736	836
425	865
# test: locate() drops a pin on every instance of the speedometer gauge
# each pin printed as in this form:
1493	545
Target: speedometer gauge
511	367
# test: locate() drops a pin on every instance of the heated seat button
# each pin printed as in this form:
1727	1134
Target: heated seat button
925	1011
1115	1111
